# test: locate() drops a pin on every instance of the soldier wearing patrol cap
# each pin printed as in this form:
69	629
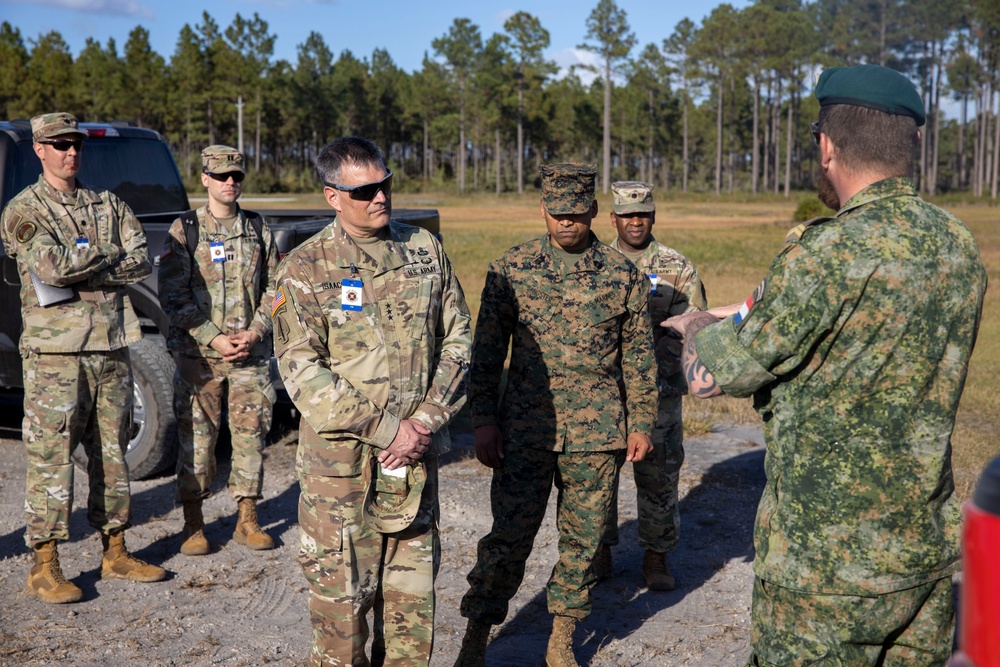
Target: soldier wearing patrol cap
855	347
216	284
371	332
76	250
674	289
572	312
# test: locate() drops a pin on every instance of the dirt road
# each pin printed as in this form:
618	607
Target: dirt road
241	608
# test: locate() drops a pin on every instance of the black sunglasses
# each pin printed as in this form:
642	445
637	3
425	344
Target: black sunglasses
814	131
63	145
365	191
237	176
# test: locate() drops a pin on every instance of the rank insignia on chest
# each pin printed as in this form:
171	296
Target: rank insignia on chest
350	294
230	255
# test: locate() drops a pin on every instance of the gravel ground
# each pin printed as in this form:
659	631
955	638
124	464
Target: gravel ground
239	607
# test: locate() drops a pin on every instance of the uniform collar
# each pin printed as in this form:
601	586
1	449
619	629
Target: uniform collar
897	186
393	253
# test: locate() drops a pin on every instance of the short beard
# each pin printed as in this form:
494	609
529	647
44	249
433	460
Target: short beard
826	192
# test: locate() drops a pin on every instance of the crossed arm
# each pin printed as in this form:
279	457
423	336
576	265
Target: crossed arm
700	381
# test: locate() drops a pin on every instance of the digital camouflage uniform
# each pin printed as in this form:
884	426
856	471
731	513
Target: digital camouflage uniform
855	348
77	375
573	332
202	299
354	375
675	289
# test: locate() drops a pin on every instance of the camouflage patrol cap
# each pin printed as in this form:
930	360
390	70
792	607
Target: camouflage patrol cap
391	502
632	197
219	159
568	188
48	125
871	86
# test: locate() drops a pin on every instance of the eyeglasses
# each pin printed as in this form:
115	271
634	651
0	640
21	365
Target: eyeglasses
814	131
63	145
365	191
237	176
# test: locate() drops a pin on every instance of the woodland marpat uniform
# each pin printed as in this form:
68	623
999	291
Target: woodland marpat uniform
856	351
354	374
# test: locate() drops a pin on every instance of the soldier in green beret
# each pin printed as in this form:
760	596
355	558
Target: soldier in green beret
674	288
572	312
216	284
855	347
76	250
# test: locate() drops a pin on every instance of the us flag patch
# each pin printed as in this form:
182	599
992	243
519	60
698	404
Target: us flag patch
279	300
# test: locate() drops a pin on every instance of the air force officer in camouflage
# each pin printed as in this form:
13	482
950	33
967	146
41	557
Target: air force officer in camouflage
855	348
76	249
371	331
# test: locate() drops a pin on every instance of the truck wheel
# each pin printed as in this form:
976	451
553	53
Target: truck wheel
153	446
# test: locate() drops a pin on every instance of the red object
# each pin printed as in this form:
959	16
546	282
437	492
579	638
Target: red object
979	617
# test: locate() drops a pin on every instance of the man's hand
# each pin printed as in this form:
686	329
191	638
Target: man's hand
489	445
639	445
224	345
411	441
242	343
700	381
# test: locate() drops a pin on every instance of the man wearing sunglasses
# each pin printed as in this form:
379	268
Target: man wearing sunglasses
216	283
76	249
371	332
855	348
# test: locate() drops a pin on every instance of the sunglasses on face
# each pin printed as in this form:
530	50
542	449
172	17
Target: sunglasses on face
63	145
814	131
365	191
222	178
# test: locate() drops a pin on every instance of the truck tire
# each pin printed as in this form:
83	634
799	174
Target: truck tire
153	446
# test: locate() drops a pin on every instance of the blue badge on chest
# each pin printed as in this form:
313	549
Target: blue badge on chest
82	243
653	279
218	250
350	294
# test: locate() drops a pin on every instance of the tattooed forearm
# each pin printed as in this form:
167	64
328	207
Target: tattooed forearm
701	383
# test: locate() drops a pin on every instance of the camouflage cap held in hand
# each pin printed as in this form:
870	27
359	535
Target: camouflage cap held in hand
392	497
568	188
219	159
49	125
871	86
632	197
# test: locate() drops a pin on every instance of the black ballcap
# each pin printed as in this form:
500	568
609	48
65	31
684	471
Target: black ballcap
871	86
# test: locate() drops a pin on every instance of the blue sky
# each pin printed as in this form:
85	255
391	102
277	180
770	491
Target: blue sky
404	28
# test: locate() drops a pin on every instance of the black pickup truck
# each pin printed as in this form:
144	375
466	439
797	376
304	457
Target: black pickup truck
137	165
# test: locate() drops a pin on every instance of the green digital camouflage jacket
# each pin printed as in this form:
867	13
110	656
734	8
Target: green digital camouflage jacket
855	348
204	298
571	337
674	289
89	242
358	360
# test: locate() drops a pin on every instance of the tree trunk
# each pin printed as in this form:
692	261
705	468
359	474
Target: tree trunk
789	142
718	137
606	177
777	136
765	176
496	158
755	153
932	174
685	162
461	138
520	138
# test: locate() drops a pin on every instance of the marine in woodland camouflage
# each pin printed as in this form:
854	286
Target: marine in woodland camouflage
574	332
675	289
354	375
856	352
89	242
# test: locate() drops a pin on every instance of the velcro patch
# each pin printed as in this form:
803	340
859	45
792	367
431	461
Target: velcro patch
748	305
25	231
279	300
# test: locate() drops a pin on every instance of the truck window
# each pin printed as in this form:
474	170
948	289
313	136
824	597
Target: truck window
135	170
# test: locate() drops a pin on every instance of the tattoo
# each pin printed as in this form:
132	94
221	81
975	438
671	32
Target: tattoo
700	380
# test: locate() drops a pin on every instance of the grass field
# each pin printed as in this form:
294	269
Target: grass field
731	242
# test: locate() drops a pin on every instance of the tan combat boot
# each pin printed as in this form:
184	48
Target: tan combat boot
473	652
46	581
560	650
118	563
195	542
656	572
603	567
248	532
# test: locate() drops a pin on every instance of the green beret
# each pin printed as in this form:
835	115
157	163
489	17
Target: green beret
871	86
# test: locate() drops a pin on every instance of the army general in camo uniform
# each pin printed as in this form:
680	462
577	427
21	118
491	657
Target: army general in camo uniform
573	313
674	289
77	373
855	348
216	284
371	331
